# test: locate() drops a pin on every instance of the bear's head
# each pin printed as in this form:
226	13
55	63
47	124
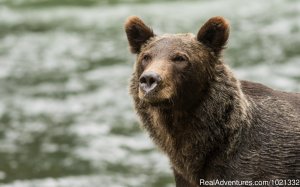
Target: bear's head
174	67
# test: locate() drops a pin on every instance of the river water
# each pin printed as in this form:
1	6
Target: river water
66	119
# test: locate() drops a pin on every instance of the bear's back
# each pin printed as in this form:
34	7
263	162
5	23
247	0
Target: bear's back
259	92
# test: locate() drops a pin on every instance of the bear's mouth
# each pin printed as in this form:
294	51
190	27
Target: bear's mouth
156	97
150	96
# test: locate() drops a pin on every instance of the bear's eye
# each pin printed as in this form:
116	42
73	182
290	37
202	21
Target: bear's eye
179	58
146	59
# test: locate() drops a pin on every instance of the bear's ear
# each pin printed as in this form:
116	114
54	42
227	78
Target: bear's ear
137	33
214	34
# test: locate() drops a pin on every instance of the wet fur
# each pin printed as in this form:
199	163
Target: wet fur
217	127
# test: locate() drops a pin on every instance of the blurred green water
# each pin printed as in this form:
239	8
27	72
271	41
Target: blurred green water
65	116
49	3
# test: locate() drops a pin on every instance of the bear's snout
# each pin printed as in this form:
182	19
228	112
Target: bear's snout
149	81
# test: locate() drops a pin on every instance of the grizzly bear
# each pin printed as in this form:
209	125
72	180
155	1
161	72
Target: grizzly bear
211	125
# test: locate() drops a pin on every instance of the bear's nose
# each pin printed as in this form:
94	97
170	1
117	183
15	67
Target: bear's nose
149	81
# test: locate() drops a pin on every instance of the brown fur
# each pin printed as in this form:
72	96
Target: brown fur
209	124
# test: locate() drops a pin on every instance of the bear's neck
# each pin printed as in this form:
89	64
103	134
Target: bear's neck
194	139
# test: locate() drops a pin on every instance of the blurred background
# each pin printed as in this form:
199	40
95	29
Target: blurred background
66	119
